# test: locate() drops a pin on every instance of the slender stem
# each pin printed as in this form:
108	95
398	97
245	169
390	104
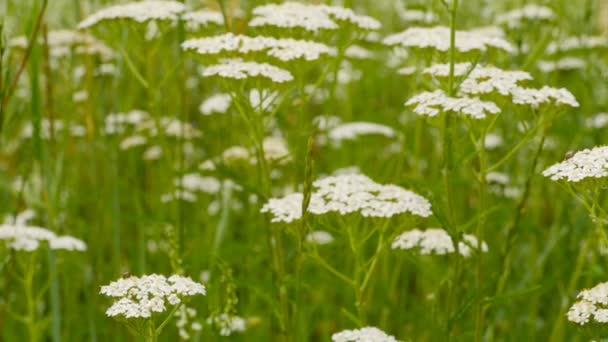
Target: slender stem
483	189
448	162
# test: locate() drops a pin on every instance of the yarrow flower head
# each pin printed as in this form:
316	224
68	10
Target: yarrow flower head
63	43
141	297
346	194
353	130
436	241
583	165
29	238
517	17
367	334
240	70
217	103
282	49
140	12
194	20
433	103
438	38
312	18
592	305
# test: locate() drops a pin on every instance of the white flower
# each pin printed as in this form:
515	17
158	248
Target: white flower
592	302
228	324
282	49
443	70
599	121
133	141
117	123
235	154
153	153
140	297
194	20
515	18
346	194
358	52
62	43
236	69
68	243
367	334
432	103
312	18
193	182
217	103
175	195
436	241
588	163
566	63
21	219
28	238
577	43
416	16
138	11
406	71
319	237
536	97
493	141
353	130
438	38
275	149
498	177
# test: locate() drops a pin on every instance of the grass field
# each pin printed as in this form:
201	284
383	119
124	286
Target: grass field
355	170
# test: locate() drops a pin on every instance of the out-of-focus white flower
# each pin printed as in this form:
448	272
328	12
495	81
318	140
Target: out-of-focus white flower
598	121
310	17
566	63
142	11
239	70
436	241
493	141
183	195
438	38
228	324
194	20
529	13
133	141
153	153
29	238
353	130
578	43
217	103
319	237
367	334
193	182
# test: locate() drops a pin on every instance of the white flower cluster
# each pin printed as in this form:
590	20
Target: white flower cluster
28	239
311	18
353	130
588	163
282	49
57	128
482	80
598	121
366	334
170	127
118	123
358	52
186	323
63	43
217	103
276	150
238	70
141	297
194	182
432	103
517	17
438	38
228	324
346	194
578	43
138	11
536	97
319	237
566	63
436	241
194	20
416	15
592	302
